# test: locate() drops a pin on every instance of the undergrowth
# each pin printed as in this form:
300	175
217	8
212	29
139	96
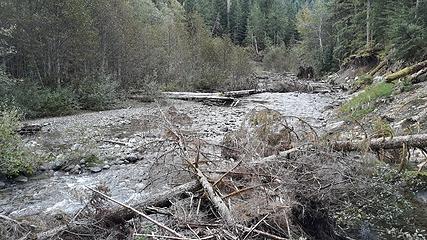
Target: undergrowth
362	81
384	212
15	159
365	102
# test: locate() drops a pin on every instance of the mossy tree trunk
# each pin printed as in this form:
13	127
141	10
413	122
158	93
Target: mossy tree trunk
406	71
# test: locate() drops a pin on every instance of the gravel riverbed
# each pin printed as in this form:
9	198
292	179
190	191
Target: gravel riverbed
112	136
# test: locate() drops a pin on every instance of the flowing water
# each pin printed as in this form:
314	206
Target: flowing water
51	193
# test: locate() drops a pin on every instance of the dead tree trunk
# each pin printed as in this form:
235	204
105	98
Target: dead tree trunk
121	214
156	200
406	71
418	76
215	199
368	23
418	140
378	68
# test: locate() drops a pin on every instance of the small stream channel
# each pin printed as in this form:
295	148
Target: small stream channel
51	193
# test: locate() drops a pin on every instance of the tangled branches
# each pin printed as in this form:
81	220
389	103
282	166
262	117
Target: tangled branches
276	186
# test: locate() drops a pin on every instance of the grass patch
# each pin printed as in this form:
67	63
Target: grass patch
364	103
92	160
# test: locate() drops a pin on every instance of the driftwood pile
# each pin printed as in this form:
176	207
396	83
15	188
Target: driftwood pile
29	130
268	82
219	98
290	191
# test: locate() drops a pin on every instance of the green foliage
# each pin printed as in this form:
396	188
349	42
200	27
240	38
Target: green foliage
98	93
55	102
14	158
36	101
382	207
151	90
59	43
277	59
92	160
364	102
405	85
407	35
416	180
362	81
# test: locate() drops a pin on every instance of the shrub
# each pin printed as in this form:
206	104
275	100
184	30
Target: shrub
405	85
240	71
98	93
151	90
277	59
364	102
56	102
34	100
14	158
362	81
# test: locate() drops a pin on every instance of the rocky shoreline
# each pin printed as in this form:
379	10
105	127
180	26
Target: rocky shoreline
103	147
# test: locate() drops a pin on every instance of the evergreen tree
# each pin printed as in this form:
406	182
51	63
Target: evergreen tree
257	28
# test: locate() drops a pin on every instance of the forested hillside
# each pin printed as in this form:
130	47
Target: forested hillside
84	51
82	47
322	33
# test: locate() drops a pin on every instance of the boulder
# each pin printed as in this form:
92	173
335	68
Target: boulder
21	179
95	169
132	158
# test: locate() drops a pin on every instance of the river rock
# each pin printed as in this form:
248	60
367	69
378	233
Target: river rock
333	127
133	158
378	79
45	167
58	163
422	197
2	185
76	169
69	168
21	179
95	169
76	147
106	167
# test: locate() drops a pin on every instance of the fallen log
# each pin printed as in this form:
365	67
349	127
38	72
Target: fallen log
377	68
418	141
214	98
122	214
242	93
406	71
417	77
159	200
139	213
215	199
217	97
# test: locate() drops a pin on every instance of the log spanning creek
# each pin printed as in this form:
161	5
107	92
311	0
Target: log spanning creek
99	148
